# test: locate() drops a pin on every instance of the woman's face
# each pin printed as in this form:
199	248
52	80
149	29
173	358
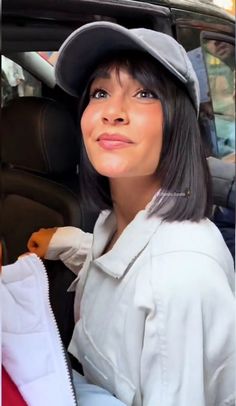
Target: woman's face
122	126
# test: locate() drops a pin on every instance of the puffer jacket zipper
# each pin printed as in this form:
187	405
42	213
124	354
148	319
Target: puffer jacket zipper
60	343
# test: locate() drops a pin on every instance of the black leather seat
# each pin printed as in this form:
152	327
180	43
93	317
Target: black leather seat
39	179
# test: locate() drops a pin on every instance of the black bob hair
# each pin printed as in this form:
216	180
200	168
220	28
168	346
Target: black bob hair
182	170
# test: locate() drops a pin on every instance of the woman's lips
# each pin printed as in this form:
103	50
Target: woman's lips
113	141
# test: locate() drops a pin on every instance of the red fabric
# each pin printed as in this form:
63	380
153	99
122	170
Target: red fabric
10	394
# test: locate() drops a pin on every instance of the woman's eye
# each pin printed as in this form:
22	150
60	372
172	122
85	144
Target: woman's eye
98	94
146	94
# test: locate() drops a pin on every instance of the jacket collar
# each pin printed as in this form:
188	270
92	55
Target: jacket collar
131	242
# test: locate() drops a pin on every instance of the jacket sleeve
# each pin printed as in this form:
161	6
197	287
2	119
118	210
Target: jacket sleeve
189	339
70	245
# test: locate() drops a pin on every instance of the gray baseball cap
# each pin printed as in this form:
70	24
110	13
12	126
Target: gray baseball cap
87	45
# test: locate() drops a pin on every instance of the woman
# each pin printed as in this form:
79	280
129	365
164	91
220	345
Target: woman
154	306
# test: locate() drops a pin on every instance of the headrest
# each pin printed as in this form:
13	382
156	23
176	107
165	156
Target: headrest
39	135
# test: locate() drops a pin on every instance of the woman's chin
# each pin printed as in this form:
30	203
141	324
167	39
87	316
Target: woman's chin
112	172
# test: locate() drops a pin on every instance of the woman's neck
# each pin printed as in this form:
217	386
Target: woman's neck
129	196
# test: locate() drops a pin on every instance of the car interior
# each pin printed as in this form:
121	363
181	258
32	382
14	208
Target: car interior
40	150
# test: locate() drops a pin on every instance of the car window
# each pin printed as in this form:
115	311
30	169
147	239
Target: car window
189	37
219	61
49	56
17	82
216	117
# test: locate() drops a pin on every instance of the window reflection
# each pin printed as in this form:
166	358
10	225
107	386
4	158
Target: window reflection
219	59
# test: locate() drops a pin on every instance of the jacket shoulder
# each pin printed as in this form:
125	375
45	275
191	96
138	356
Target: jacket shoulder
192	245
199	237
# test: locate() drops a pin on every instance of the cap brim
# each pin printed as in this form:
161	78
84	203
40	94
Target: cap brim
85	47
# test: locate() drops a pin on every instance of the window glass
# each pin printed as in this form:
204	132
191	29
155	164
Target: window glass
219	60
17	82
213	62
189	37
49	56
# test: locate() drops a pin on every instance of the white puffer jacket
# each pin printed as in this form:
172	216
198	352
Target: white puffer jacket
32	351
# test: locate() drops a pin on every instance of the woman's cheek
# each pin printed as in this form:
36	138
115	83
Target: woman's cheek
90	121
85	123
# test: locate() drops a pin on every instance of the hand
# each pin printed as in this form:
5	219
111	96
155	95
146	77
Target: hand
39	241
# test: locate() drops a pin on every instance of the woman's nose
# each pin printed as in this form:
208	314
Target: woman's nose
115	115
115	119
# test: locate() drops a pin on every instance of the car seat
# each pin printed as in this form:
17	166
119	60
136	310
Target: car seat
40	185
223	179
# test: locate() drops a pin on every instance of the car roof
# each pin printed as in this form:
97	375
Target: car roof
44	24
45	9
